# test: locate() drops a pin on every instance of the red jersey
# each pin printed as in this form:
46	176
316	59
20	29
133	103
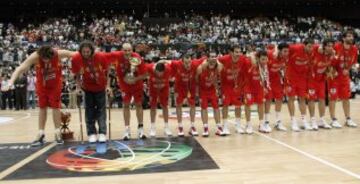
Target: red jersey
231	71
159	82
254	80
320	64
48	74
122	66
185	78
93	71
275	67
208	80
298	65
346	58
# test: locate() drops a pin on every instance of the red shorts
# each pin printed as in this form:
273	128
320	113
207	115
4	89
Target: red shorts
137	94
296	87
316	90
339	89
231	97
209	96
276	92
162	95
182	94
255	96
49	98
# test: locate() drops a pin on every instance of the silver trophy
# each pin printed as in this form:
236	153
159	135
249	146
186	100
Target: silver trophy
134	62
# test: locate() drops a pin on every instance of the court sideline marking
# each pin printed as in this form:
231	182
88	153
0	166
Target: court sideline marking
325	162
26	160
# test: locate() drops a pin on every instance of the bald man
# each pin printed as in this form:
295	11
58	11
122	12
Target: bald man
131	71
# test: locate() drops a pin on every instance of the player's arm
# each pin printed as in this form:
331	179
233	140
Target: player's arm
65	54
31	60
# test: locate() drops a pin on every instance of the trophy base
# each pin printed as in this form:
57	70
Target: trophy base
67	136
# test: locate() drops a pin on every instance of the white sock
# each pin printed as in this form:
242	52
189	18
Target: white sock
41	132
313	118
180	125
152	125
237	121
57	131
267	116
166	124
322	118
225	122
218	125
127	128
277	116
302	117
248	123
192	124
206	125
292	118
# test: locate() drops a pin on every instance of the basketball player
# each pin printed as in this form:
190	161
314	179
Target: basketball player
47	61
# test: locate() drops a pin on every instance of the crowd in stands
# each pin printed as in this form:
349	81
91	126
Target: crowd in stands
193	33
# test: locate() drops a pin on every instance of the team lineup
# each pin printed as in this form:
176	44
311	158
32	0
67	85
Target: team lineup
305	71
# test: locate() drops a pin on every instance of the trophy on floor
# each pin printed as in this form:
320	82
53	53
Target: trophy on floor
66	133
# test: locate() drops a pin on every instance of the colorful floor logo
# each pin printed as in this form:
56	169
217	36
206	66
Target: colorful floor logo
120	156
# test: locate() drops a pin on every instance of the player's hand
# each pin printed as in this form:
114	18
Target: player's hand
130	80
109	92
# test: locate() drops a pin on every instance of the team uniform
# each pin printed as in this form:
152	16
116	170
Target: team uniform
49	82
297	71
159	86
122	66
93	73
317	77
275	67
231	80
339	88
185	82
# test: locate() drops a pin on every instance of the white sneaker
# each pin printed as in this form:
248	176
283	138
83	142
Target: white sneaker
167	131
239	129
279	126
92	138
263	128
226	130
152	131
295	126
306	125
335	124
249	129
193	131
324	124
267	127
181	131
141	133
206	132
102	138
350	123
126	135
314	125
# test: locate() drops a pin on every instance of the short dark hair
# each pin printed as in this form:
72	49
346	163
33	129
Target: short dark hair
187	55
327	41
308	41
282	46
261	52
233	47
46	52
346	32
160	67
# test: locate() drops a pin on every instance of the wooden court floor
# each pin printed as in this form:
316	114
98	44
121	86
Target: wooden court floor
325	156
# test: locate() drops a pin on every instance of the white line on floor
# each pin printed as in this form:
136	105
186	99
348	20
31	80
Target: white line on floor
311	156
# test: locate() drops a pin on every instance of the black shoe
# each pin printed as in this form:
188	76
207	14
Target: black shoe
58	139
40	141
